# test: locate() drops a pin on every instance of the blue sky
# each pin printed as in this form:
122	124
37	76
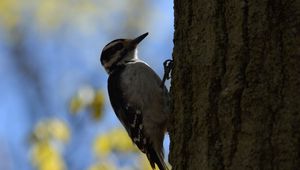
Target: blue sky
65	60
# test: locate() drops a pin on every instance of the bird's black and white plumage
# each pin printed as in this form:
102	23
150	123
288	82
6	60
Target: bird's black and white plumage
137	97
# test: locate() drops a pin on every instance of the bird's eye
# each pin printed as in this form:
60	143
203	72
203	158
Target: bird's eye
124	52
112	50
118	46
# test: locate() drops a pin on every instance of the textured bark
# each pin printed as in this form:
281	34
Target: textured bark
236	85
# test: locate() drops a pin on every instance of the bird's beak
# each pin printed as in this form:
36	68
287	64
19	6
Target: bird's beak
137	40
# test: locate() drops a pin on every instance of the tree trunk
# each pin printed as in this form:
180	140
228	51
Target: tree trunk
236	85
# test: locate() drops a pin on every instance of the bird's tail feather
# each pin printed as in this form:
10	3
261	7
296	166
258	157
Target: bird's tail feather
156	158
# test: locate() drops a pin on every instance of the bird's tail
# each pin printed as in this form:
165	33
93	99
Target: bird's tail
156	158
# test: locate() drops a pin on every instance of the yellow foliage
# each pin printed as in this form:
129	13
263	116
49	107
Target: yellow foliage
49	13
102	166
51	129
41	132
85	7
76	105
89	98
46	157
10	11
144	163
82	99
116	140
59	130
102	145
120	141
97	105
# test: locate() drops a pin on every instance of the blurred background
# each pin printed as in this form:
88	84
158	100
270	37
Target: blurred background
54	107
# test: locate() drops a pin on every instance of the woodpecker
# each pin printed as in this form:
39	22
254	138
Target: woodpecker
138	99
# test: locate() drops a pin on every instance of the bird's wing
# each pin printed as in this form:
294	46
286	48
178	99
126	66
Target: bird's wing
131	105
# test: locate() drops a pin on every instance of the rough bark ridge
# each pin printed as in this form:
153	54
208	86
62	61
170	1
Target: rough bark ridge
236	85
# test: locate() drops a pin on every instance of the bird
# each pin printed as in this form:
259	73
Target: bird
137	97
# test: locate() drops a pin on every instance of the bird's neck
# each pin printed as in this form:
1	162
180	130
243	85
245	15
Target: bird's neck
130	58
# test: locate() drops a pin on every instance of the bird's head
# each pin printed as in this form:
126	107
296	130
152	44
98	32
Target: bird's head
120	51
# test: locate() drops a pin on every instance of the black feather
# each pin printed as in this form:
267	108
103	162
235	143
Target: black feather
120	39
153	158
107	53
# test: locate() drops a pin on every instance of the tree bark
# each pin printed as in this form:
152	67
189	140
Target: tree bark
236	85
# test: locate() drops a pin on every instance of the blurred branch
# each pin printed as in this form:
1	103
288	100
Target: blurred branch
29	74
